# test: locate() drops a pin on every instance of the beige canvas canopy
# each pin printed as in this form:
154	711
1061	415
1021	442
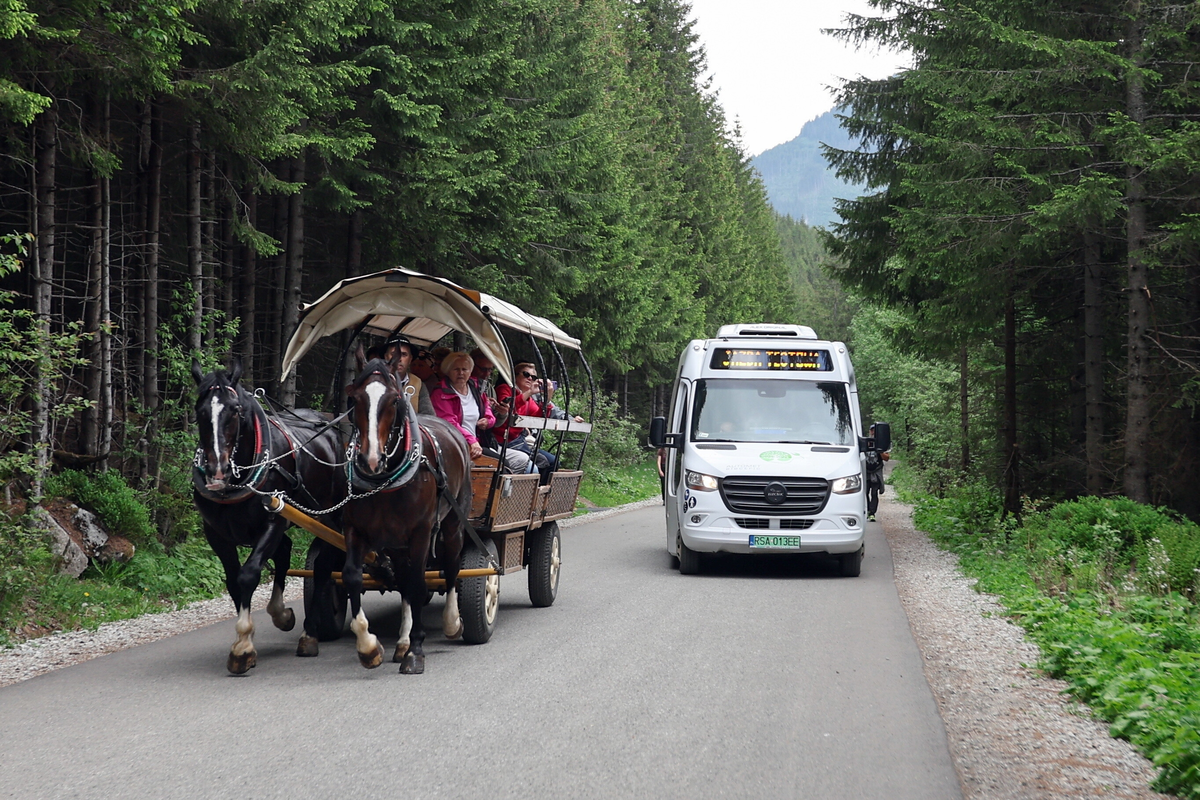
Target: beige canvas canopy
422	307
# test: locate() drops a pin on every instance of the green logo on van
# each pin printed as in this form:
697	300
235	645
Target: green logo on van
776	455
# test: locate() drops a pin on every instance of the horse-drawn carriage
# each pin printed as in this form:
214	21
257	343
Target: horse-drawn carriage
414	508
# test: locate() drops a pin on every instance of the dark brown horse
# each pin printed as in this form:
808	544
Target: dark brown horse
406	466
243	454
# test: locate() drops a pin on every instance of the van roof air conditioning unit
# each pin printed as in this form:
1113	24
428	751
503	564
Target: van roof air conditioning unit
762	330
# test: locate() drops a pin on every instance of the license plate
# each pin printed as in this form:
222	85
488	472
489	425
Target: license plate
774	542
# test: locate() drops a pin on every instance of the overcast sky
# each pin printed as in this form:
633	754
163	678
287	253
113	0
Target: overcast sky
772	66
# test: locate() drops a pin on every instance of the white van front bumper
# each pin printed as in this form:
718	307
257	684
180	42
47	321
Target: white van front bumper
707	526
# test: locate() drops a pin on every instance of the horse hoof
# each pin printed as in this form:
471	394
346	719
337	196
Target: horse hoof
307	646
286	621
398	656
457	632
413	664
372	659
240	665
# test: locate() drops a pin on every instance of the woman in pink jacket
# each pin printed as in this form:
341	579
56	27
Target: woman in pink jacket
460	403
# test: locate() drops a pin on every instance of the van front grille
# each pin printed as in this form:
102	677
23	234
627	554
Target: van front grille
751	522
796	524
747	494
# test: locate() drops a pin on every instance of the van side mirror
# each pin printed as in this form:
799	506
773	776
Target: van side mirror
659	436
883	437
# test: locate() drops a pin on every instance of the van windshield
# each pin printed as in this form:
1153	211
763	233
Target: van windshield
777	411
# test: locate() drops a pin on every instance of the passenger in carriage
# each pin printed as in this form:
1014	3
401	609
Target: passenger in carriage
482	373
459	402
419	399
521	401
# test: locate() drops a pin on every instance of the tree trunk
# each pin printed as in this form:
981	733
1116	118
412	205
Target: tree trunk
228	206
92	317
249	327
195	256
353	268
1012	459
1137	408
1093	364
150	282
964	408
293	275
106	326
45	201
278	280
208	247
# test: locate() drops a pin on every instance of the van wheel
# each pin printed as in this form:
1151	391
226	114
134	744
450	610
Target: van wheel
851	563
689	560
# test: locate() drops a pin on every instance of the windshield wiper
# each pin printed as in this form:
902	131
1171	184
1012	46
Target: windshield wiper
804	441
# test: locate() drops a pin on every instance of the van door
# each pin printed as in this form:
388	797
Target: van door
674	465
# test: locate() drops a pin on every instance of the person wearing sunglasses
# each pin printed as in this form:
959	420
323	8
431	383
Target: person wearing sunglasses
523	399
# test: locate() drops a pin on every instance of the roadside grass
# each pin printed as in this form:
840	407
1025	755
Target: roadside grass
35	600
617	485
1106	588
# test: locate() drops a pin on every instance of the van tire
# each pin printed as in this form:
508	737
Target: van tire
851	563
689	560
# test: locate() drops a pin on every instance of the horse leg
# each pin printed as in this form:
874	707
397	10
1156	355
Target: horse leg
322	583
226	553
283	617
405	630
370	653
415	591
243	656
452	544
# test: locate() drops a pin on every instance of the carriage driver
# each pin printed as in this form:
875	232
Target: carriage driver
419	399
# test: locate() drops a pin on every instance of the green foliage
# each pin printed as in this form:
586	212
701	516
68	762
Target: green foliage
616	440
1083	579
615	486
110	498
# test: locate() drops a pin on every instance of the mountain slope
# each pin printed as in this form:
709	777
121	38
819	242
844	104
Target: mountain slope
799	182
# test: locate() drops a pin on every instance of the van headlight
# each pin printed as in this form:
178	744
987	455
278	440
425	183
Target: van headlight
847	485
700	482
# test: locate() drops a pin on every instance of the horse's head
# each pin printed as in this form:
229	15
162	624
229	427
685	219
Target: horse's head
220	407
376	395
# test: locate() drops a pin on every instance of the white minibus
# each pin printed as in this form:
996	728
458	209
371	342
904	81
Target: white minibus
764	448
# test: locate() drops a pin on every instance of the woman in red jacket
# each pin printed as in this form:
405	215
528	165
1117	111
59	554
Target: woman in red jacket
519	401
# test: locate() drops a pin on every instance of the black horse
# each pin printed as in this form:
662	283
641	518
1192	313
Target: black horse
408	468
243	454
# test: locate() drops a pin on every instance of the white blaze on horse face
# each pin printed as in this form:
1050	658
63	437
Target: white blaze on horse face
375	392
215	406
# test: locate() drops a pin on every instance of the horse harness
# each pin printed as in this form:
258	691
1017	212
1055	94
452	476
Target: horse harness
404	472
262	464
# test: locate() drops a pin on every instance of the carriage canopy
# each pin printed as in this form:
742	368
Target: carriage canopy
422	307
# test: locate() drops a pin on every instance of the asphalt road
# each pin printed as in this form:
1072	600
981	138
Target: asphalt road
756	679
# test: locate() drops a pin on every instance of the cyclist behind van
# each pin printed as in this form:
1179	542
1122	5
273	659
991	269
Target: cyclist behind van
875	485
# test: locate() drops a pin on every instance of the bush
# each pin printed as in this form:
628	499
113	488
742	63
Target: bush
616	440
112	500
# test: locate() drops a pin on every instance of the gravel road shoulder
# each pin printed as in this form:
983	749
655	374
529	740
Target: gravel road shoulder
1013	732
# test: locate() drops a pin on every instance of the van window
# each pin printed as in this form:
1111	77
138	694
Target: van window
777	411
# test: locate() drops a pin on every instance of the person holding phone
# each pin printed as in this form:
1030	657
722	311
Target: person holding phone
521	400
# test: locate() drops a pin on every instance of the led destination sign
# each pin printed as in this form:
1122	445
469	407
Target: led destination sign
771	360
